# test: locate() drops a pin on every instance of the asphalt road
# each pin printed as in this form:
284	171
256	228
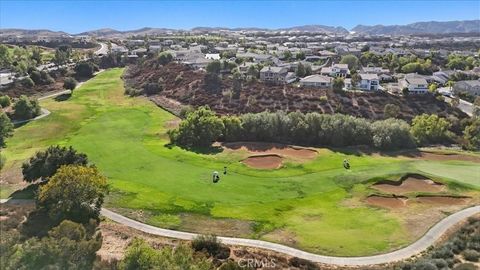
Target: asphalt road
420	245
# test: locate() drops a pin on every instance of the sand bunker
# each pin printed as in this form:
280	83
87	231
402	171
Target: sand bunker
409	183
264	161
442	200
386	202
260	148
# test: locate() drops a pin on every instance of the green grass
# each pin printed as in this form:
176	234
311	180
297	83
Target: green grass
125	137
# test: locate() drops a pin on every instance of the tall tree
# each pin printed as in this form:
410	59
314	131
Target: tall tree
81	191
6	128
45	164
351	60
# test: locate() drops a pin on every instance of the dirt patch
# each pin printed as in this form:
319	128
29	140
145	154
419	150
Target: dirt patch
264	161
282	236
443	200
221	226
261	148
387	202
172	124
116	238
409	183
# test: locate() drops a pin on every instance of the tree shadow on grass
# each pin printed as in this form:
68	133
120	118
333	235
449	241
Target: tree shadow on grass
361	150
62	97
207	150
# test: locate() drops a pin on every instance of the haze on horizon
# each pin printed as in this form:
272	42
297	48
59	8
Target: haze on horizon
76	17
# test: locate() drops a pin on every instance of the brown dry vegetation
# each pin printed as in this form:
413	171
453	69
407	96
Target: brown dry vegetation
258	97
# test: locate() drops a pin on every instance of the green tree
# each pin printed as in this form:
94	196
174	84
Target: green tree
61	57
300	56
338	84
471	135
287	55
81	191
356	79
214	67
69	83
351	60
237	84
84	69
392	134
200	128
44	164
26	108
432	88
391	111
37	55
5	101
300	71
164	58
6	128
430	129
5	57
28	82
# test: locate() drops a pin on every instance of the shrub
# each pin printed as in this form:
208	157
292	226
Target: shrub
69	83
5	101
152	88
323	99
471	255
26	108
209	244
28	82
141	256
36	77
46	78
391	111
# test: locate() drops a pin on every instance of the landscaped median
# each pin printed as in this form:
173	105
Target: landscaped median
314	204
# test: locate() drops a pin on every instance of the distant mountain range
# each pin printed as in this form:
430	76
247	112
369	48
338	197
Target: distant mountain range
469	26
472	26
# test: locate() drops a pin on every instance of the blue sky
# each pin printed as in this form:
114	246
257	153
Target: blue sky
78	16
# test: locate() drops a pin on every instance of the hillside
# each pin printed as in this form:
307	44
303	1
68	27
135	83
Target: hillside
432	27
258	97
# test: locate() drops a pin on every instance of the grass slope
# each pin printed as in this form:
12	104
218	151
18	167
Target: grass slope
301	205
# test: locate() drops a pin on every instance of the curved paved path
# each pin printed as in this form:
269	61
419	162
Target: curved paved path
420	245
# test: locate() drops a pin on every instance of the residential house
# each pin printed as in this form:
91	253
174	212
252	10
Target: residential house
274	75
471	87
316	81
337	70
414	84
369	82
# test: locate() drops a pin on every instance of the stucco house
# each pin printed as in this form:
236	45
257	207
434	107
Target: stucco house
316	81
274	75
471	87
